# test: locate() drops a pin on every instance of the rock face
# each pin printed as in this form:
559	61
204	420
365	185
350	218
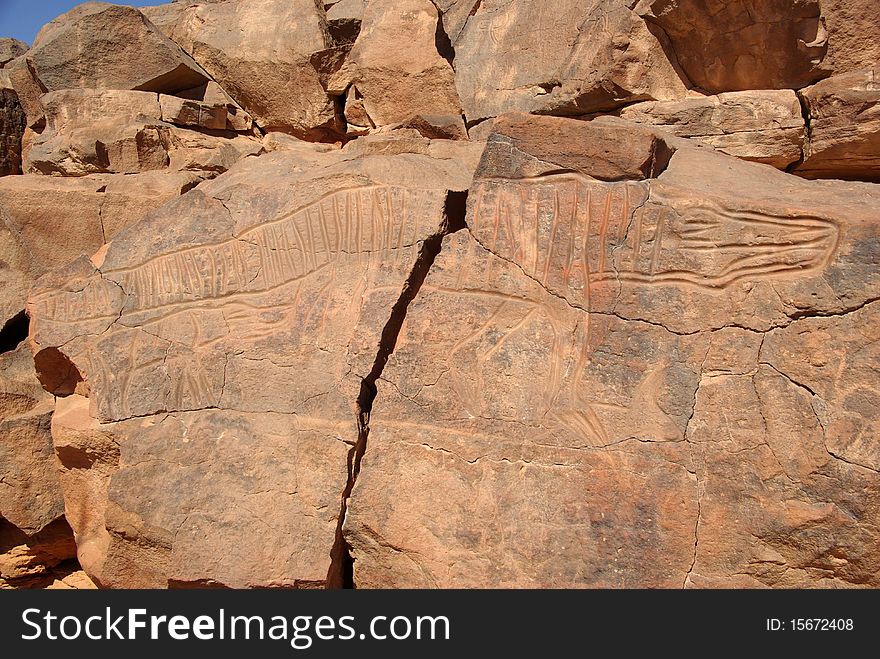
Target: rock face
763	126
260	269
441	293
844	127
733	45
12	125
128	132
395	72
264	54
98	45
579	58
10	49
572	400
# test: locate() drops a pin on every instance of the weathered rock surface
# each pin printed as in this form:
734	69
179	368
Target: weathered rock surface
127	132
733	45
30	497
263	53
102	46
581	57
435	293
90	209
395	72
595	372
287	283
12	124
763	126
844	139
853	34
10	49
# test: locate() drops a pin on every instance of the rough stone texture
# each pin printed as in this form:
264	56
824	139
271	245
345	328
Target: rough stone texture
12	124
91	209
262	53
395	72
262	325
30	561
853	34
284	271
30	497
87	456
844	139
127	132
103	46
580	57
733	45
764	126
604	384
10	49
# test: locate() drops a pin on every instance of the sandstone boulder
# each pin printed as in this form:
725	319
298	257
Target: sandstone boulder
844	137
597	376
102	46
262	52
54	220
853	34
30	497
10	49
764	126
35	561
733	45
283	271
127	132
577	58
395	72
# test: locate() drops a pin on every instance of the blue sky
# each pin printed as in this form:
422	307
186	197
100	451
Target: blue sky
22	19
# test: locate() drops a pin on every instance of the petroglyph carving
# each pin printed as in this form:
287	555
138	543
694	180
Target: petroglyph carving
569	232
372	220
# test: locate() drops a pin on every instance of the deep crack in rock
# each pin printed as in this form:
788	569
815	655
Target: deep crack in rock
341	572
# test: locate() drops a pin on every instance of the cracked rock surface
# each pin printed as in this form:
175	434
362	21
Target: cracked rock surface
441	293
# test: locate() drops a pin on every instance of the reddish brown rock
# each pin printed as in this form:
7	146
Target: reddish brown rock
844	137
763	126
308	273
262	52
31	561
395	72
10	49
90	208
734	45
576	59
128	132
101	46
572	398
29	494
12	124
853	34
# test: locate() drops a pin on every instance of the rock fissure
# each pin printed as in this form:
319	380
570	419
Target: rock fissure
341	571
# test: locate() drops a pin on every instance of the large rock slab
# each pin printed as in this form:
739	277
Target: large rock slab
763	125
597	376
30	497
577	58
844	137
395	72
53	220
263	53
102	46
733	45
90	131
284	270
10	49
853	34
